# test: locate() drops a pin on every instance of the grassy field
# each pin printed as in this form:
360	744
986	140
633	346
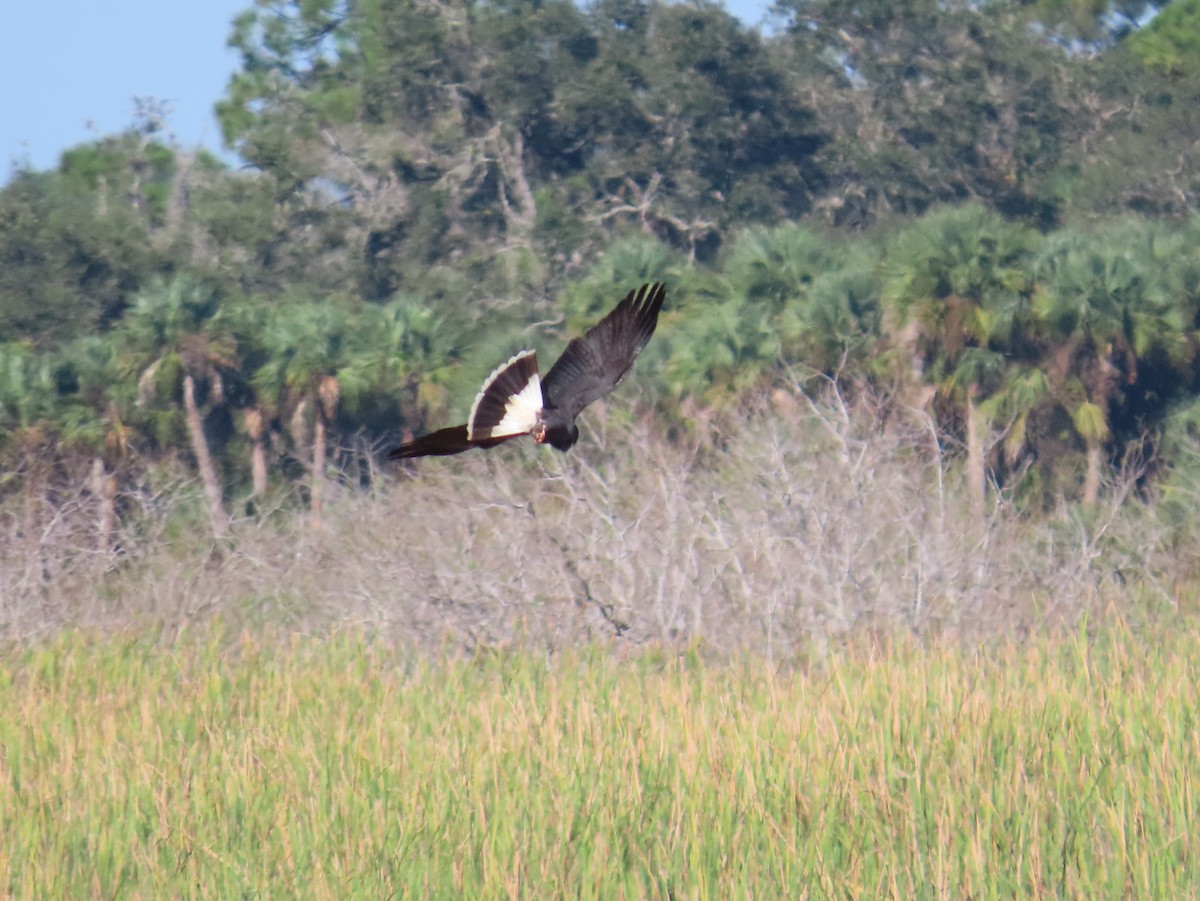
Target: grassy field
334	768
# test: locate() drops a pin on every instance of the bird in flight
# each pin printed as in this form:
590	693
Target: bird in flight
515	400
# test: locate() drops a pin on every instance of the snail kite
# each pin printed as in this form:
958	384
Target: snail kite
515	400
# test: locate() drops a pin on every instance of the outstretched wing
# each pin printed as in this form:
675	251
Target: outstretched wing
442	443
593	365
510	401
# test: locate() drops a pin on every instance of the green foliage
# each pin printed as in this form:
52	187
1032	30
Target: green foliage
839	325
1090	422
128	168
960	277
968	252
1105	286
1139	156
484	114
95	400
1179	499
405	364
733	133
27	397
935	103
432	186
721	349
308	341
1116	303
788	299
69	258
1171	42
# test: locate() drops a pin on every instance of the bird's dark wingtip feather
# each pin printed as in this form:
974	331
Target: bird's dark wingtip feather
649	301
655	297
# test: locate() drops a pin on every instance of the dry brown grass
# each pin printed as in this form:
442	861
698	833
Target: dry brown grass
801	525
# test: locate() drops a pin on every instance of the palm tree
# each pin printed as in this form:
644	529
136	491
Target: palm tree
28	402
174	347
311	365
832	326
957	288
29	431
766	278
406	362
741	325
772	265
721	349
92	397
1103	306
26	397
247	321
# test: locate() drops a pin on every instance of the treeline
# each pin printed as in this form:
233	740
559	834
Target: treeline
1043	358
979	211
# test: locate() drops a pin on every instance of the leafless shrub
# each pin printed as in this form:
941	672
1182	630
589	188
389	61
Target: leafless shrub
812	522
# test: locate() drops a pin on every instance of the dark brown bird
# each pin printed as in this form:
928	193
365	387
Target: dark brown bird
515	400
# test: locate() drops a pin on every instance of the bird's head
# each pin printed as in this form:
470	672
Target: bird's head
559	436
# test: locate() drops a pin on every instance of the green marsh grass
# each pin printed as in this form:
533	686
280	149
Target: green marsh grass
337	768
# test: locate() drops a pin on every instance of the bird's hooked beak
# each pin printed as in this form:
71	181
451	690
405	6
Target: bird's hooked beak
539	432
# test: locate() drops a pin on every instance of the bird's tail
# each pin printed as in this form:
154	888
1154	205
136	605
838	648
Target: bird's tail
442	443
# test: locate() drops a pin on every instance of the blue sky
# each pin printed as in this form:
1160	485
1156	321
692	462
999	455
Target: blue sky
68	63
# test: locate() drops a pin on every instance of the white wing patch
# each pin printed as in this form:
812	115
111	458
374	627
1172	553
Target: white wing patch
511	398
522	411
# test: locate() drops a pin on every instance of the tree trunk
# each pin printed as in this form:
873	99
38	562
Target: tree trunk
1101	384
33	532
104	489
1091	478
917	392
258	467
317	488
976	469
256	428
328	393
208	472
